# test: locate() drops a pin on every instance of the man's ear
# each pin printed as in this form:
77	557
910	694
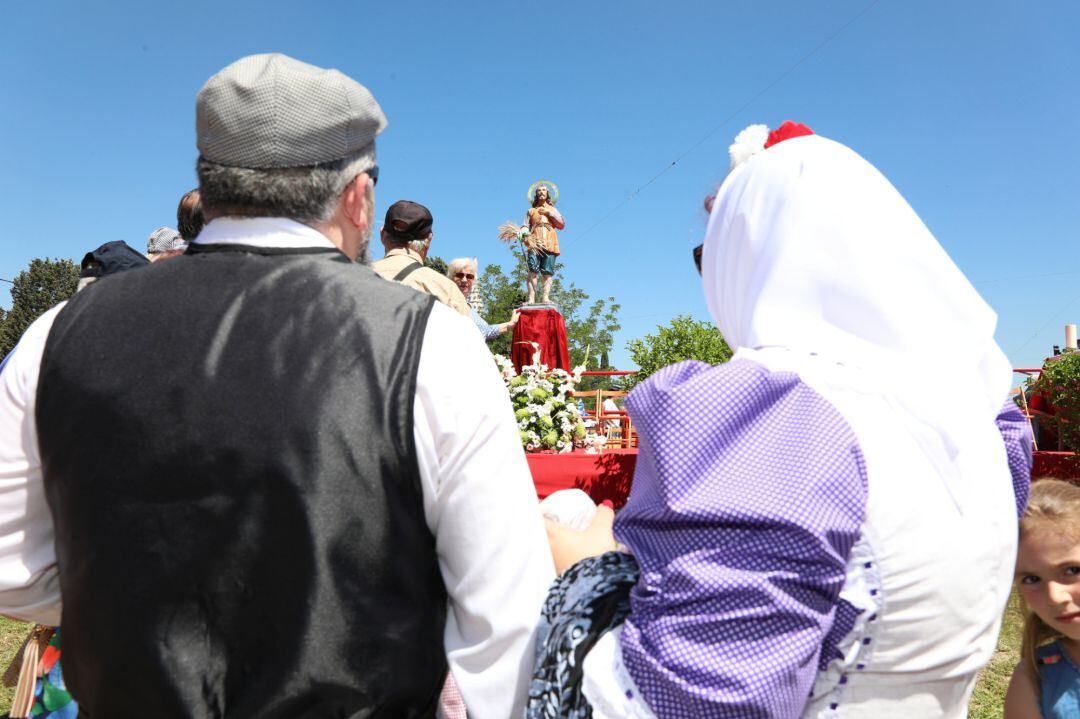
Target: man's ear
353	203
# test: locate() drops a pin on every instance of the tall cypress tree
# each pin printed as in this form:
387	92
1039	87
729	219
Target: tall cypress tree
36	289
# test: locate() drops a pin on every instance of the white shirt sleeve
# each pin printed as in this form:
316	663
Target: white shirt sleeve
29	586
481	506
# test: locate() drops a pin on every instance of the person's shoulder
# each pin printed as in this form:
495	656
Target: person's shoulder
733	393
1050	654
444	324
699	377
453	355
27	353
433	279
432	275
1022	697
39	328
384	264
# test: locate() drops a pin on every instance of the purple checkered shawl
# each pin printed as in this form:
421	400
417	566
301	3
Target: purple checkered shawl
750	492
1016	431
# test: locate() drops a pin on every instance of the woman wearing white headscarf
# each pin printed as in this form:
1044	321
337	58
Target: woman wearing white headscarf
819	534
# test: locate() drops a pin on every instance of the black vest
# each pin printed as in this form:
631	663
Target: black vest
227	443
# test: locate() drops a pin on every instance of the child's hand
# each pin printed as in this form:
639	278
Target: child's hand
569	546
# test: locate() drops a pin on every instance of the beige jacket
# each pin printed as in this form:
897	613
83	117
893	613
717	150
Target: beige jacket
425	279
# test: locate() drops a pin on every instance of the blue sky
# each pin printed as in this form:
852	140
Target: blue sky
967	107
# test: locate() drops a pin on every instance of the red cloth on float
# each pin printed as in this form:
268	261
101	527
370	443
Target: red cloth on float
547	329
601	476
1056	465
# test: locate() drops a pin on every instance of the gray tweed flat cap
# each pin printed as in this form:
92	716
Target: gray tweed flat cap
271	111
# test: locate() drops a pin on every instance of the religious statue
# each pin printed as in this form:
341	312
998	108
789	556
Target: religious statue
537	234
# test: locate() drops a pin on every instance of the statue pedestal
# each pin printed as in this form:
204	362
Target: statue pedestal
542	324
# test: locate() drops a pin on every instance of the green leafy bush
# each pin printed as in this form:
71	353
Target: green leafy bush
684	338
1060	384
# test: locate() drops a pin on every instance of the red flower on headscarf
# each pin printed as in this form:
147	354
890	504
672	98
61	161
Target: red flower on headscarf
787	131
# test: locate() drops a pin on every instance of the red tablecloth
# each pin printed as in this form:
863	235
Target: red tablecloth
1059	465
547	329
601	476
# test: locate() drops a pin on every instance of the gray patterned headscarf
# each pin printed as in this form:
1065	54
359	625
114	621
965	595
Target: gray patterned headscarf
164	239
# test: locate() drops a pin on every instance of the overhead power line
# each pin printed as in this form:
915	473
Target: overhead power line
783	76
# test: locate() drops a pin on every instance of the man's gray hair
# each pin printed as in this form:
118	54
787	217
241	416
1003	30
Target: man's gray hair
305	194
459	263
417	246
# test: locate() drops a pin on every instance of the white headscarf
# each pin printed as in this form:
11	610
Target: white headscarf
811	249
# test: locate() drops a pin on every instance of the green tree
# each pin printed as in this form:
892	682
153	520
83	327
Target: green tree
1059	383
436	263
36	289
682	339
590	325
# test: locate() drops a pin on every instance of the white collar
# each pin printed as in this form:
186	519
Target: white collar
261	232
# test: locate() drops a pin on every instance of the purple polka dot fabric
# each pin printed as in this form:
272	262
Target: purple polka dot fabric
844	620
749	493
1016	431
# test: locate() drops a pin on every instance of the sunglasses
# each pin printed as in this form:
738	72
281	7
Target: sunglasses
372	173
464	275
697	257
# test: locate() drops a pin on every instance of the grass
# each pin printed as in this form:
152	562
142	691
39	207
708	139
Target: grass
986	703
12	634
988	699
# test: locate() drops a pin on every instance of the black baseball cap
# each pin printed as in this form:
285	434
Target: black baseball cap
407	220
110	258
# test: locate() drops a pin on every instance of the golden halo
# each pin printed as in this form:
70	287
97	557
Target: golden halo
552	188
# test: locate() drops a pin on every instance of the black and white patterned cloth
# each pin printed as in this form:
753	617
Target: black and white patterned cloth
589	599
164	239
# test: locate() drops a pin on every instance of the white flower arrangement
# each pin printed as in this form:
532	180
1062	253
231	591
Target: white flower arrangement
548	418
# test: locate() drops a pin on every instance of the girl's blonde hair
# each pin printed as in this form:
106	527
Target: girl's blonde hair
1056	505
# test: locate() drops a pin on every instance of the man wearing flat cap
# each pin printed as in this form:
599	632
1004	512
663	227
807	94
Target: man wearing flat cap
323	503
407	235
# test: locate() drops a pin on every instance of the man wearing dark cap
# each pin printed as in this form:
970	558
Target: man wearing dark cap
406	234
322	504
110	258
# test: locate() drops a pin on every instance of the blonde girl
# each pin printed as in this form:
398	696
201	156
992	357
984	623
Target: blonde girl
1046	682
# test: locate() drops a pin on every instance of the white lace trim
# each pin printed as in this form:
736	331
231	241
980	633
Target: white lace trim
608	685
862	590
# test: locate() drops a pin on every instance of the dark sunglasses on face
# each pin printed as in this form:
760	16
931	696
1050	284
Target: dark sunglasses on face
373	173
697	257
465	275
